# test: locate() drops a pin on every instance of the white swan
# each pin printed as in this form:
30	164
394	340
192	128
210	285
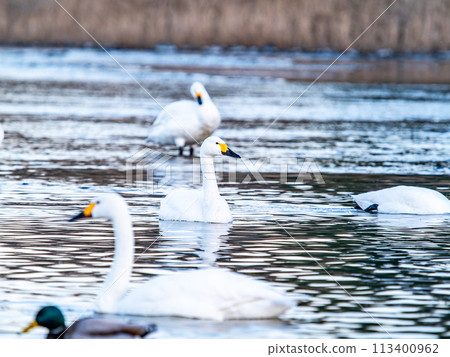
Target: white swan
201	205
211	293
185	122
404	199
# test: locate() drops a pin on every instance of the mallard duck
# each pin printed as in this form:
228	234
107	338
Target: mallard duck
201	205
185	122
403	199
52	318
210	293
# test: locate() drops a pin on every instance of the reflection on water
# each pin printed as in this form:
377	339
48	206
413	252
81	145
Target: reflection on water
203	237
367	275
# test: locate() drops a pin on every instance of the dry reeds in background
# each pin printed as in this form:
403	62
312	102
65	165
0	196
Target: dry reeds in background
410	25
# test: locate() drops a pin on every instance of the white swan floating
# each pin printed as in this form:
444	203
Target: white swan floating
403	199
185	122
201	205
212	293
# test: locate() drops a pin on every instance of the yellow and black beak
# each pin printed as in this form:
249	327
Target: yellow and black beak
30	326
227	151
199	99
86	213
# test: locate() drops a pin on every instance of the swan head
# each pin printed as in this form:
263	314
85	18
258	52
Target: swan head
215	146
107	205
199	92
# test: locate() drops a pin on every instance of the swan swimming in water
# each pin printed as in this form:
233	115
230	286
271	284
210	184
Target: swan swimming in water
403	199
201	205
211	293
185	122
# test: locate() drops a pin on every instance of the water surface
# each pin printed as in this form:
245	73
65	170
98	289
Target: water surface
73	119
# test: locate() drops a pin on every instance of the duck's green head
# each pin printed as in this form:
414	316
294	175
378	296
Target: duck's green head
50	317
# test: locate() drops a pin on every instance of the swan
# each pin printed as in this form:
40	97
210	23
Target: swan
210	293
403	199
201	205
52	318
185	122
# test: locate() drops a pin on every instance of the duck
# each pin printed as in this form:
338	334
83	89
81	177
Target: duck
186	122
208	293
403	200
205	204
52	318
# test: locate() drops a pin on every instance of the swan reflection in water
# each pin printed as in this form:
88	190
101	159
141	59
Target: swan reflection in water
207	238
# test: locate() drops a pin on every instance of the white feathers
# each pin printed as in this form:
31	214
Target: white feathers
212	293
405	199
186	122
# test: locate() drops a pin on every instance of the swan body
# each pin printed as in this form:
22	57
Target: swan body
191	205
201	205
404	199
211	293
186	122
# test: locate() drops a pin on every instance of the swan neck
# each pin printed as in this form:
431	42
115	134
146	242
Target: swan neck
210	188
116	283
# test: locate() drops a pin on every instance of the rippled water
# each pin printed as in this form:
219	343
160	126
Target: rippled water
72	119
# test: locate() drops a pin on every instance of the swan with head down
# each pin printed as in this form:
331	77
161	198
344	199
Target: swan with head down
403	199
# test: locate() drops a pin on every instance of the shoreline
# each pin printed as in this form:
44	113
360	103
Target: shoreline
406	26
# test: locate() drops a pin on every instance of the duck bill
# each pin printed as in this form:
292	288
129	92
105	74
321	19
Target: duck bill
231	153
80	215
199	99
30	326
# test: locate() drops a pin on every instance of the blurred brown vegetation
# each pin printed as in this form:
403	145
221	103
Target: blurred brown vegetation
410	25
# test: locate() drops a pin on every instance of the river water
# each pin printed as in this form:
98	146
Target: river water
74	126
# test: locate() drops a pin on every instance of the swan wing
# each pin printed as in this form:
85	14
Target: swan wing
178	120
182	205
188	205
212	293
